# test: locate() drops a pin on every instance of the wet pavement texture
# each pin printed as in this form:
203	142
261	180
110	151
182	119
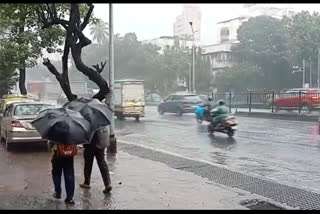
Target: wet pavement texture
286	152
283	151
137	184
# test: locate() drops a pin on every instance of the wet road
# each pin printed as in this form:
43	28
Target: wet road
284	151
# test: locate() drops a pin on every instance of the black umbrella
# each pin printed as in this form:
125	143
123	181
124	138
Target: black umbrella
64	126
96	112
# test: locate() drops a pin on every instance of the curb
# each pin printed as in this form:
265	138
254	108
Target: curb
294	117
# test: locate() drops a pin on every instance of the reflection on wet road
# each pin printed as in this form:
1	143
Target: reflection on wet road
284	151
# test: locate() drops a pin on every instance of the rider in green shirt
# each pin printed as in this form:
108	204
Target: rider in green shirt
221	112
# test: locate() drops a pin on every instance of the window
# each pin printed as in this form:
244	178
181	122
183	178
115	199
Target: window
224	34
30	109
176	97
193	98
168	98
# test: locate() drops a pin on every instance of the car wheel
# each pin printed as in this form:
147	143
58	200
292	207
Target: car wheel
306	109
137	118
2	141
179	112
230	132
160	111
120	116
210	129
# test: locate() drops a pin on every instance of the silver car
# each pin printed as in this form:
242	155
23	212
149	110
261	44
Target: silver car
16	123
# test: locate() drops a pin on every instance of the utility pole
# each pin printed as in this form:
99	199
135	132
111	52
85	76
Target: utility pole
189	78
193	61
318	67
310	82
304	72
113	142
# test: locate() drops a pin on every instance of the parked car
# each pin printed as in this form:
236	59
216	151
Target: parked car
153	100
7	99
16	123
180	103
291	99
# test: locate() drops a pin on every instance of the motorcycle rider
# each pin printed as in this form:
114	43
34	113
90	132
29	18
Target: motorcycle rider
200	110
220	113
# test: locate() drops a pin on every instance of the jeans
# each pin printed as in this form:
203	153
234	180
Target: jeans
64	164
90	151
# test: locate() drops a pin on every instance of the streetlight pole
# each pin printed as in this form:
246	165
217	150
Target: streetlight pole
113	142
304	72
318	67
189	77
193	61
310	84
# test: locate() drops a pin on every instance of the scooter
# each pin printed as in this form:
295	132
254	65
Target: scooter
227	126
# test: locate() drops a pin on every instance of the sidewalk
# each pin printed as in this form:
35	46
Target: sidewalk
137	184
282	115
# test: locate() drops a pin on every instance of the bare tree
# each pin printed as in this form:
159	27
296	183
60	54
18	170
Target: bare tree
52	14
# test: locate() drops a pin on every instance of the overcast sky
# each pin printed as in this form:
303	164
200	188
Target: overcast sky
149	21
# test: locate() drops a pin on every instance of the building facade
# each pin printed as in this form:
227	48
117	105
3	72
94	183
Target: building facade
170	41
182	28
220	54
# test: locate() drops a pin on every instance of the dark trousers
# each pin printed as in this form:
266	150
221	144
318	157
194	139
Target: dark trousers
90	151
64	164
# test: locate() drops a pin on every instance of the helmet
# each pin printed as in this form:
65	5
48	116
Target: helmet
221	102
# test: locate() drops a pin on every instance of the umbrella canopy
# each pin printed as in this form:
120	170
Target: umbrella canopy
96	112
64	126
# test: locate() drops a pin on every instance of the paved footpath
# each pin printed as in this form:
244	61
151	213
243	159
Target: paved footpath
138	183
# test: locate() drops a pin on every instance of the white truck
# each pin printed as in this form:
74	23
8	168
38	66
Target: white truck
129	99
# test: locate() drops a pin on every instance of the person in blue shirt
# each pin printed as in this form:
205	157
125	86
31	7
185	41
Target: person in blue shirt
200	111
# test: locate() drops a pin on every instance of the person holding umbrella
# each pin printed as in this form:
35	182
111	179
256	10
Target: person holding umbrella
63	163
97	149
98	114
64	128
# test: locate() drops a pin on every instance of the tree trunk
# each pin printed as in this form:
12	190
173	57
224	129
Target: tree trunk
91	74
22	81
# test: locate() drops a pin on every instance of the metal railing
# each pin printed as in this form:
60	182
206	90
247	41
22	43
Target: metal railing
298	101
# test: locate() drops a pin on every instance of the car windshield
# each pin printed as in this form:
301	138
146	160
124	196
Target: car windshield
30	109
192	98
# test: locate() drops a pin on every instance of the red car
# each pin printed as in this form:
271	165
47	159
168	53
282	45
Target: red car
291	99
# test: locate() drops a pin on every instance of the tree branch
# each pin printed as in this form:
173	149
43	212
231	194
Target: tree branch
65	86
74	34
52	69
86	19
99	69
93	75
52	18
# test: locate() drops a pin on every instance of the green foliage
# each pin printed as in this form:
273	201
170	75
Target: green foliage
136	60
26	35
203	74
304	31
264	42
7	70
100	32
240	77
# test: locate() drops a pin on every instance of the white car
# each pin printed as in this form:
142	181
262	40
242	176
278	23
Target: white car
16	123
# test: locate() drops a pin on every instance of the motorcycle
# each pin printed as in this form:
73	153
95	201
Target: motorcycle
227	126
